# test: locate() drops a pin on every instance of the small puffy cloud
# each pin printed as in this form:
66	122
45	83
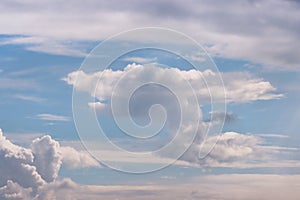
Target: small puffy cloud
77	159
232	149
217	117
98	106
232	146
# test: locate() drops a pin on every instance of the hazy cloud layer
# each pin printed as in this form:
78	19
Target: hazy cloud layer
226	186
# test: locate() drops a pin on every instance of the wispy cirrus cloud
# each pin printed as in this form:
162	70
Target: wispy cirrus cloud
140	60
29	98
18	84
51	117
47	45
272	135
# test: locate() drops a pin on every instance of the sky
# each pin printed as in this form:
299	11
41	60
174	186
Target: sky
149	99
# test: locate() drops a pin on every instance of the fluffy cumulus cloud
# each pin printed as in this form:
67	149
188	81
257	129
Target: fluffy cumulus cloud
240	87
47	157
27	171
229	149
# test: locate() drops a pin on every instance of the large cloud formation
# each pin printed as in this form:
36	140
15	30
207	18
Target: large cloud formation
242	30
31	174
26	171
240	88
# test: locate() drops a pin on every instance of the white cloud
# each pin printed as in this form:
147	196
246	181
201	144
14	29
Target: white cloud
77	159
234	147
20	176
240	87
26	172
47	157
273	135
29	98
98	106
242	30
16	165
140	60
47	45
51	117
237	150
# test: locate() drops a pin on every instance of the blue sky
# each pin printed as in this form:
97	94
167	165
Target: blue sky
43	46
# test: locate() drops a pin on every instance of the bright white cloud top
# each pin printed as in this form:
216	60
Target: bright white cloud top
240	87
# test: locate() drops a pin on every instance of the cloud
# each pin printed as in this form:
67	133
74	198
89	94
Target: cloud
237	150
47	157
16	165
240	87
14	191
140	60
46	45
240	30
223	186
22	175
218	117
231	148
234	147
26	172
23	139
51	117
98	106
77	159
29	98
273	135
18	84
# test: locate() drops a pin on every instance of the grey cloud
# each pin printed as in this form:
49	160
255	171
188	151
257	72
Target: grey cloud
221	116
239	29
